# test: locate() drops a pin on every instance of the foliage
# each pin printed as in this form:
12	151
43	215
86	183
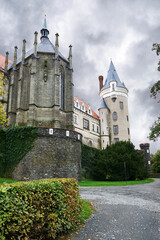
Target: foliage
15	143
39	209
91	183
3	115
86	212
156	162
7	180
155	91
108	164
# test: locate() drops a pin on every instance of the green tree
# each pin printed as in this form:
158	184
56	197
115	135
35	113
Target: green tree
156	162
155	91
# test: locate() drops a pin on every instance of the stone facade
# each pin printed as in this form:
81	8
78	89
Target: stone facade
41	87
56	154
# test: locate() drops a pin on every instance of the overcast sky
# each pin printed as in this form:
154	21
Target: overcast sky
99	30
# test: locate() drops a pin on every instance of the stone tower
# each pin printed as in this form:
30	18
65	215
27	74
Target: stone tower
41	87
113	111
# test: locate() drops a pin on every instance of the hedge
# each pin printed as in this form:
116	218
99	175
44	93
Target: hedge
40	209
15	143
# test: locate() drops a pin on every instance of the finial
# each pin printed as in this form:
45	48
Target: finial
35	43
6	61
23	51
70	56
15	57
56	45
44	30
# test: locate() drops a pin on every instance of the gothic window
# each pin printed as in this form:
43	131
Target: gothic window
61	88
114	116
85	124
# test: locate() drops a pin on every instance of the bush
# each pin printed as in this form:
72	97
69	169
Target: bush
156	162
108	164
39	209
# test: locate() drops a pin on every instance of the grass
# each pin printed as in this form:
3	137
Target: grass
90	183
6	180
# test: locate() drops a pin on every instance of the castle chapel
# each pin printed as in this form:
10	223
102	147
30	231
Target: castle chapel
41	94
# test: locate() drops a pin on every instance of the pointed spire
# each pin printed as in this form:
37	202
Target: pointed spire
6	62
15	57
70	56
44	30
35	43
23	51
56	45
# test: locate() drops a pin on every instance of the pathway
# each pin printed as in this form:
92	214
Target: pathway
122	213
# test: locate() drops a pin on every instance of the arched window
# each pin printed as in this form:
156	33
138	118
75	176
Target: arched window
61	88
114	116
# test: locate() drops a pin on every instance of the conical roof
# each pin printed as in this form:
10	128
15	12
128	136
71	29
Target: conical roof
112	76
103	104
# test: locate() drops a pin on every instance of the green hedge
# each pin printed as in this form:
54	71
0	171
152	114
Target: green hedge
39	209
15	143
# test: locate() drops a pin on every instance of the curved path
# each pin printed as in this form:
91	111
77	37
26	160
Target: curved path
123	213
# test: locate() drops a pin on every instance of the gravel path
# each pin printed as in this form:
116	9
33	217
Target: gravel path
123	213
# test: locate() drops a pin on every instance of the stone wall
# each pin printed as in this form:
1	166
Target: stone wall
56	154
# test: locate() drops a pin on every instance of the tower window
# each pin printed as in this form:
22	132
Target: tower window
115	129
113	87
85	124
121	105
128	131
114	116
127	117
116	140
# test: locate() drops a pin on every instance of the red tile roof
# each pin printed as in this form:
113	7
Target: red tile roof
2	61
87	107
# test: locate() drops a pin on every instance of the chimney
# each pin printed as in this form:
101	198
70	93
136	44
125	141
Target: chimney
100	82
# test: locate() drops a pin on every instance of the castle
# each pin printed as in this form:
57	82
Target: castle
41	94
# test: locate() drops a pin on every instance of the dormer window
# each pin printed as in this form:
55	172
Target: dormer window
89	111
77	104
83	108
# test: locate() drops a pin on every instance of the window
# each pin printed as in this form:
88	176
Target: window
115	129
116	140
89	111
90	143
113	87
121	105
103	141
83	108
61	88
97	129
92	127
75	117
127	117
85	124
102	120
128	131
114	116
77	104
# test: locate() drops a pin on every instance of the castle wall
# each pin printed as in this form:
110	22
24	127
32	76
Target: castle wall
55	154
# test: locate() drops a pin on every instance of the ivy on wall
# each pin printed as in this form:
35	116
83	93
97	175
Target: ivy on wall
15	142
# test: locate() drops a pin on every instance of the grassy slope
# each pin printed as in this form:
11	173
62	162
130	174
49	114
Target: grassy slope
90	183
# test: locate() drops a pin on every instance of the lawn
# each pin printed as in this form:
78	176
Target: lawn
90	183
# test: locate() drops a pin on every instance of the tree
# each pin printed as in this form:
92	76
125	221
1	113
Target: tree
3	115
156	162
155	91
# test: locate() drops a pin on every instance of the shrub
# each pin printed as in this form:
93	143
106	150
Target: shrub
108	164
39	209
156	162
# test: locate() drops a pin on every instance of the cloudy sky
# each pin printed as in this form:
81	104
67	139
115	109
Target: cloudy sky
99	30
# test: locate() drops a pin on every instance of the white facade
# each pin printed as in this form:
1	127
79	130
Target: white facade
112	124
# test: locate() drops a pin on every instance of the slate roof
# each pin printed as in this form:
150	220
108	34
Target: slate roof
112	75
87	107
103	104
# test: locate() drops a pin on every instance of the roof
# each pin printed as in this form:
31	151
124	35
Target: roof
45	46
2	61
112	76
87	107
103	104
